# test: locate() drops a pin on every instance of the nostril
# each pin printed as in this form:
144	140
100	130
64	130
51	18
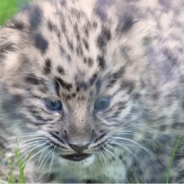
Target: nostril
79	147
65	133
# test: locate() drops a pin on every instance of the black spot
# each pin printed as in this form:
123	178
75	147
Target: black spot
107	3
180	176
62	50
106	33
95	24
98	86
83	85
81	98
24	59
128	23
40	42
70	44
57	88
92	80
32	79
50	25
163	127
39	117
68	97
43	88
63	2
47	68
76	30
35	17
85	60
136	96
86	44
91	93
165	138
56	132
90	62
17	99
10	103
103	38
60	70
177	125
127	83
53	28
86	31
17	25
64	84
68	57
63	26
100	13
101	61
73	95
78	37
4	48
79	50
78	89
166	4
115	76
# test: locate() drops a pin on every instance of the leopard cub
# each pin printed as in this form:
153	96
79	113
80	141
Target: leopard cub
93	91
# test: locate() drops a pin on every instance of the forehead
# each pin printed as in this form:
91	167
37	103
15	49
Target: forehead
72	47
67	40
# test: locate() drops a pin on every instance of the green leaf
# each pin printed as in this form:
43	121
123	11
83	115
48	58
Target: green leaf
172	158
8	8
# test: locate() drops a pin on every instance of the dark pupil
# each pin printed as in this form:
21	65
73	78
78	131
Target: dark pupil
53	105
101	103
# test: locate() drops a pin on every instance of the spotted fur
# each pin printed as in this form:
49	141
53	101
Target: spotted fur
76	52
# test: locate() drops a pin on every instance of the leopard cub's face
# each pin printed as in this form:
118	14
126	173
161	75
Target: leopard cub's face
66	77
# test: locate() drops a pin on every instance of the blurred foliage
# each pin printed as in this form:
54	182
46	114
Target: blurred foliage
8	8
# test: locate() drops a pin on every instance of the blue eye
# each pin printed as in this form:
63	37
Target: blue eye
53	105
101	103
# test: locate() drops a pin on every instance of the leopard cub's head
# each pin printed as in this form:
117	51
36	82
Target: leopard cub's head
69	81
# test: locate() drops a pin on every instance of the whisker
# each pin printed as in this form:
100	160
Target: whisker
125	139
29	151
124	147
33	156
27	144
110	153
100	157
45	156
114	149
52	155
26	135
103	157
40	157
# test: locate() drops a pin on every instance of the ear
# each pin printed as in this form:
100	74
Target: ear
133	24
142	32
134	43
9	39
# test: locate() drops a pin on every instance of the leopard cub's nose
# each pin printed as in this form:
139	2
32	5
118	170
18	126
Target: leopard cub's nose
79	147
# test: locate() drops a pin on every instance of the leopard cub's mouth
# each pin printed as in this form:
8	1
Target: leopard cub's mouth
77	157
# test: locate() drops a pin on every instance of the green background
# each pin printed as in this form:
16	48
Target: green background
8	8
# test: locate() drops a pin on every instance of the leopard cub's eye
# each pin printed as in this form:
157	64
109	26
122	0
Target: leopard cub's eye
101	103
53	105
